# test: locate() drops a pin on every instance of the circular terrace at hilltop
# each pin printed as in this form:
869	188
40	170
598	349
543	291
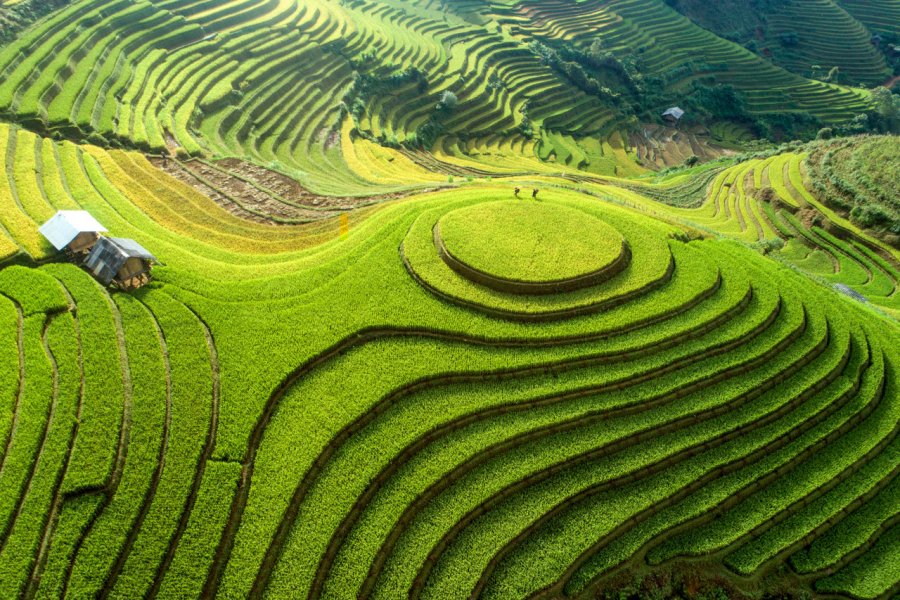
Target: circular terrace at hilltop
526	247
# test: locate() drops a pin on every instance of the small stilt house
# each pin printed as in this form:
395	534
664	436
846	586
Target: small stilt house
74	231
673	115
120	261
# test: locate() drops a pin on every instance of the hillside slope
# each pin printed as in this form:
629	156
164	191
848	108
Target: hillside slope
813	38
274	80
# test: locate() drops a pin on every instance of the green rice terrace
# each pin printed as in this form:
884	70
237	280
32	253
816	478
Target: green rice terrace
529	247
446	299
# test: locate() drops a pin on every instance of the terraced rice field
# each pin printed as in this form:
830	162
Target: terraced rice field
671	46
153	441
831	40
768	199
835	39
271	80
370	370
879	15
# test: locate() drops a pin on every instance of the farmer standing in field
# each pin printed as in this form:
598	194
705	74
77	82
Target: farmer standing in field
517	192
534	193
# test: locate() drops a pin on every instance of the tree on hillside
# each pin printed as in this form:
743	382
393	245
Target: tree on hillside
887	108
448	102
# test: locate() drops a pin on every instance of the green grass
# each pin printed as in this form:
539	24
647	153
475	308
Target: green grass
187	434
11	328
35	292
851	533
150	405
20	547
873	574
22	453
101	413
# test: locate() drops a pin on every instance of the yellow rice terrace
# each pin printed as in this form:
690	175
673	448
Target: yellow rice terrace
504	299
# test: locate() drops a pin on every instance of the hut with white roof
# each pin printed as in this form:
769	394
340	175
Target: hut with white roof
74	231
673	115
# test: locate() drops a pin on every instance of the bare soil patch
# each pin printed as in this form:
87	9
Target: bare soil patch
810	217
659	147
262	195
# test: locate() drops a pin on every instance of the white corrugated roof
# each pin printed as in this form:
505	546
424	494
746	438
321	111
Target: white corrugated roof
674	112
67	224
